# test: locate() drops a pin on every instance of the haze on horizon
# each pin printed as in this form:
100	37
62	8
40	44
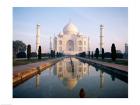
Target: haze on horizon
87	19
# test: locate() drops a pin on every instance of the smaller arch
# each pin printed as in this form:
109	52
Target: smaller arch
80	42
60	42
70	45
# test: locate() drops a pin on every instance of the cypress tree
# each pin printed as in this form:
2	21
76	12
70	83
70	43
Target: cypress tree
39	52
113	52
89	54
92	55
102	53
97	53
28	51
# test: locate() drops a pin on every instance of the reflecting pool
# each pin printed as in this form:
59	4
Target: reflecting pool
70	78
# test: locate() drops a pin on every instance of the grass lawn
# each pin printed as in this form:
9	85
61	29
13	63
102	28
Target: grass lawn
25	61
118	61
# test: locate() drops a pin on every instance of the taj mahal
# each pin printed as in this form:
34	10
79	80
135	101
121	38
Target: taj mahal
70	41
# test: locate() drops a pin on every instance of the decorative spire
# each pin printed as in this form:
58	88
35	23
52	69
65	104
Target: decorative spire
88	44
50	44
101	37
37	37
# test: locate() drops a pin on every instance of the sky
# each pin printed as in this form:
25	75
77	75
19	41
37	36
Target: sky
87	19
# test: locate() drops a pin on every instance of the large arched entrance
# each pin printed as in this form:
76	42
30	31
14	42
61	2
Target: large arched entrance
70	45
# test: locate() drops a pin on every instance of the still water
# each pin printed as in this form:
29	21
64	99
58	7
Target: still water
65	80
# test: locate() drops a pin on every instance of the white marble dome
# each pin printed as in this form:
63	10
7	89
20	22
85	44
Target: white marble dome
70	29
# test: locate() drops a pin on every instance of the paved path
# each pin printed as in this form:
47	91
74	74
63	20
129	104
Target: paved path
111	65
20	68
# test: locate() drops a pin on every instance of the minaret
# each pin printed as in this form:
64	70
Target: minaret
37	80
50	44
88	44
101	79
37	37
54	42
101	38
126	48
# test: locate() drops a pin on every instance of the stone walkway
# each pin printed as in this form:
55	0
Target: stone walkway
20	68
111	65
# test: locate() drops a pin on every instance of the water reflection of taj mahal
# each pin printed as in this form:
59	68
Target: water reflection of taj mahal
70	78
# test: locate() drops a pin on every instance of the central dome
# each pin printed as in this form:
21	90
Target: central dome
70	29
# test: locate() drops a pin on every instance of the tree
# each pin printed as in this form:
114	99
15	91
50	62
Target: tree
39	52
18	46
92	55
45	55
33	54
97	53
119	55
21	55
103	53
107	55
52	53
57	54
28	51
89	54
82	54
113	52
